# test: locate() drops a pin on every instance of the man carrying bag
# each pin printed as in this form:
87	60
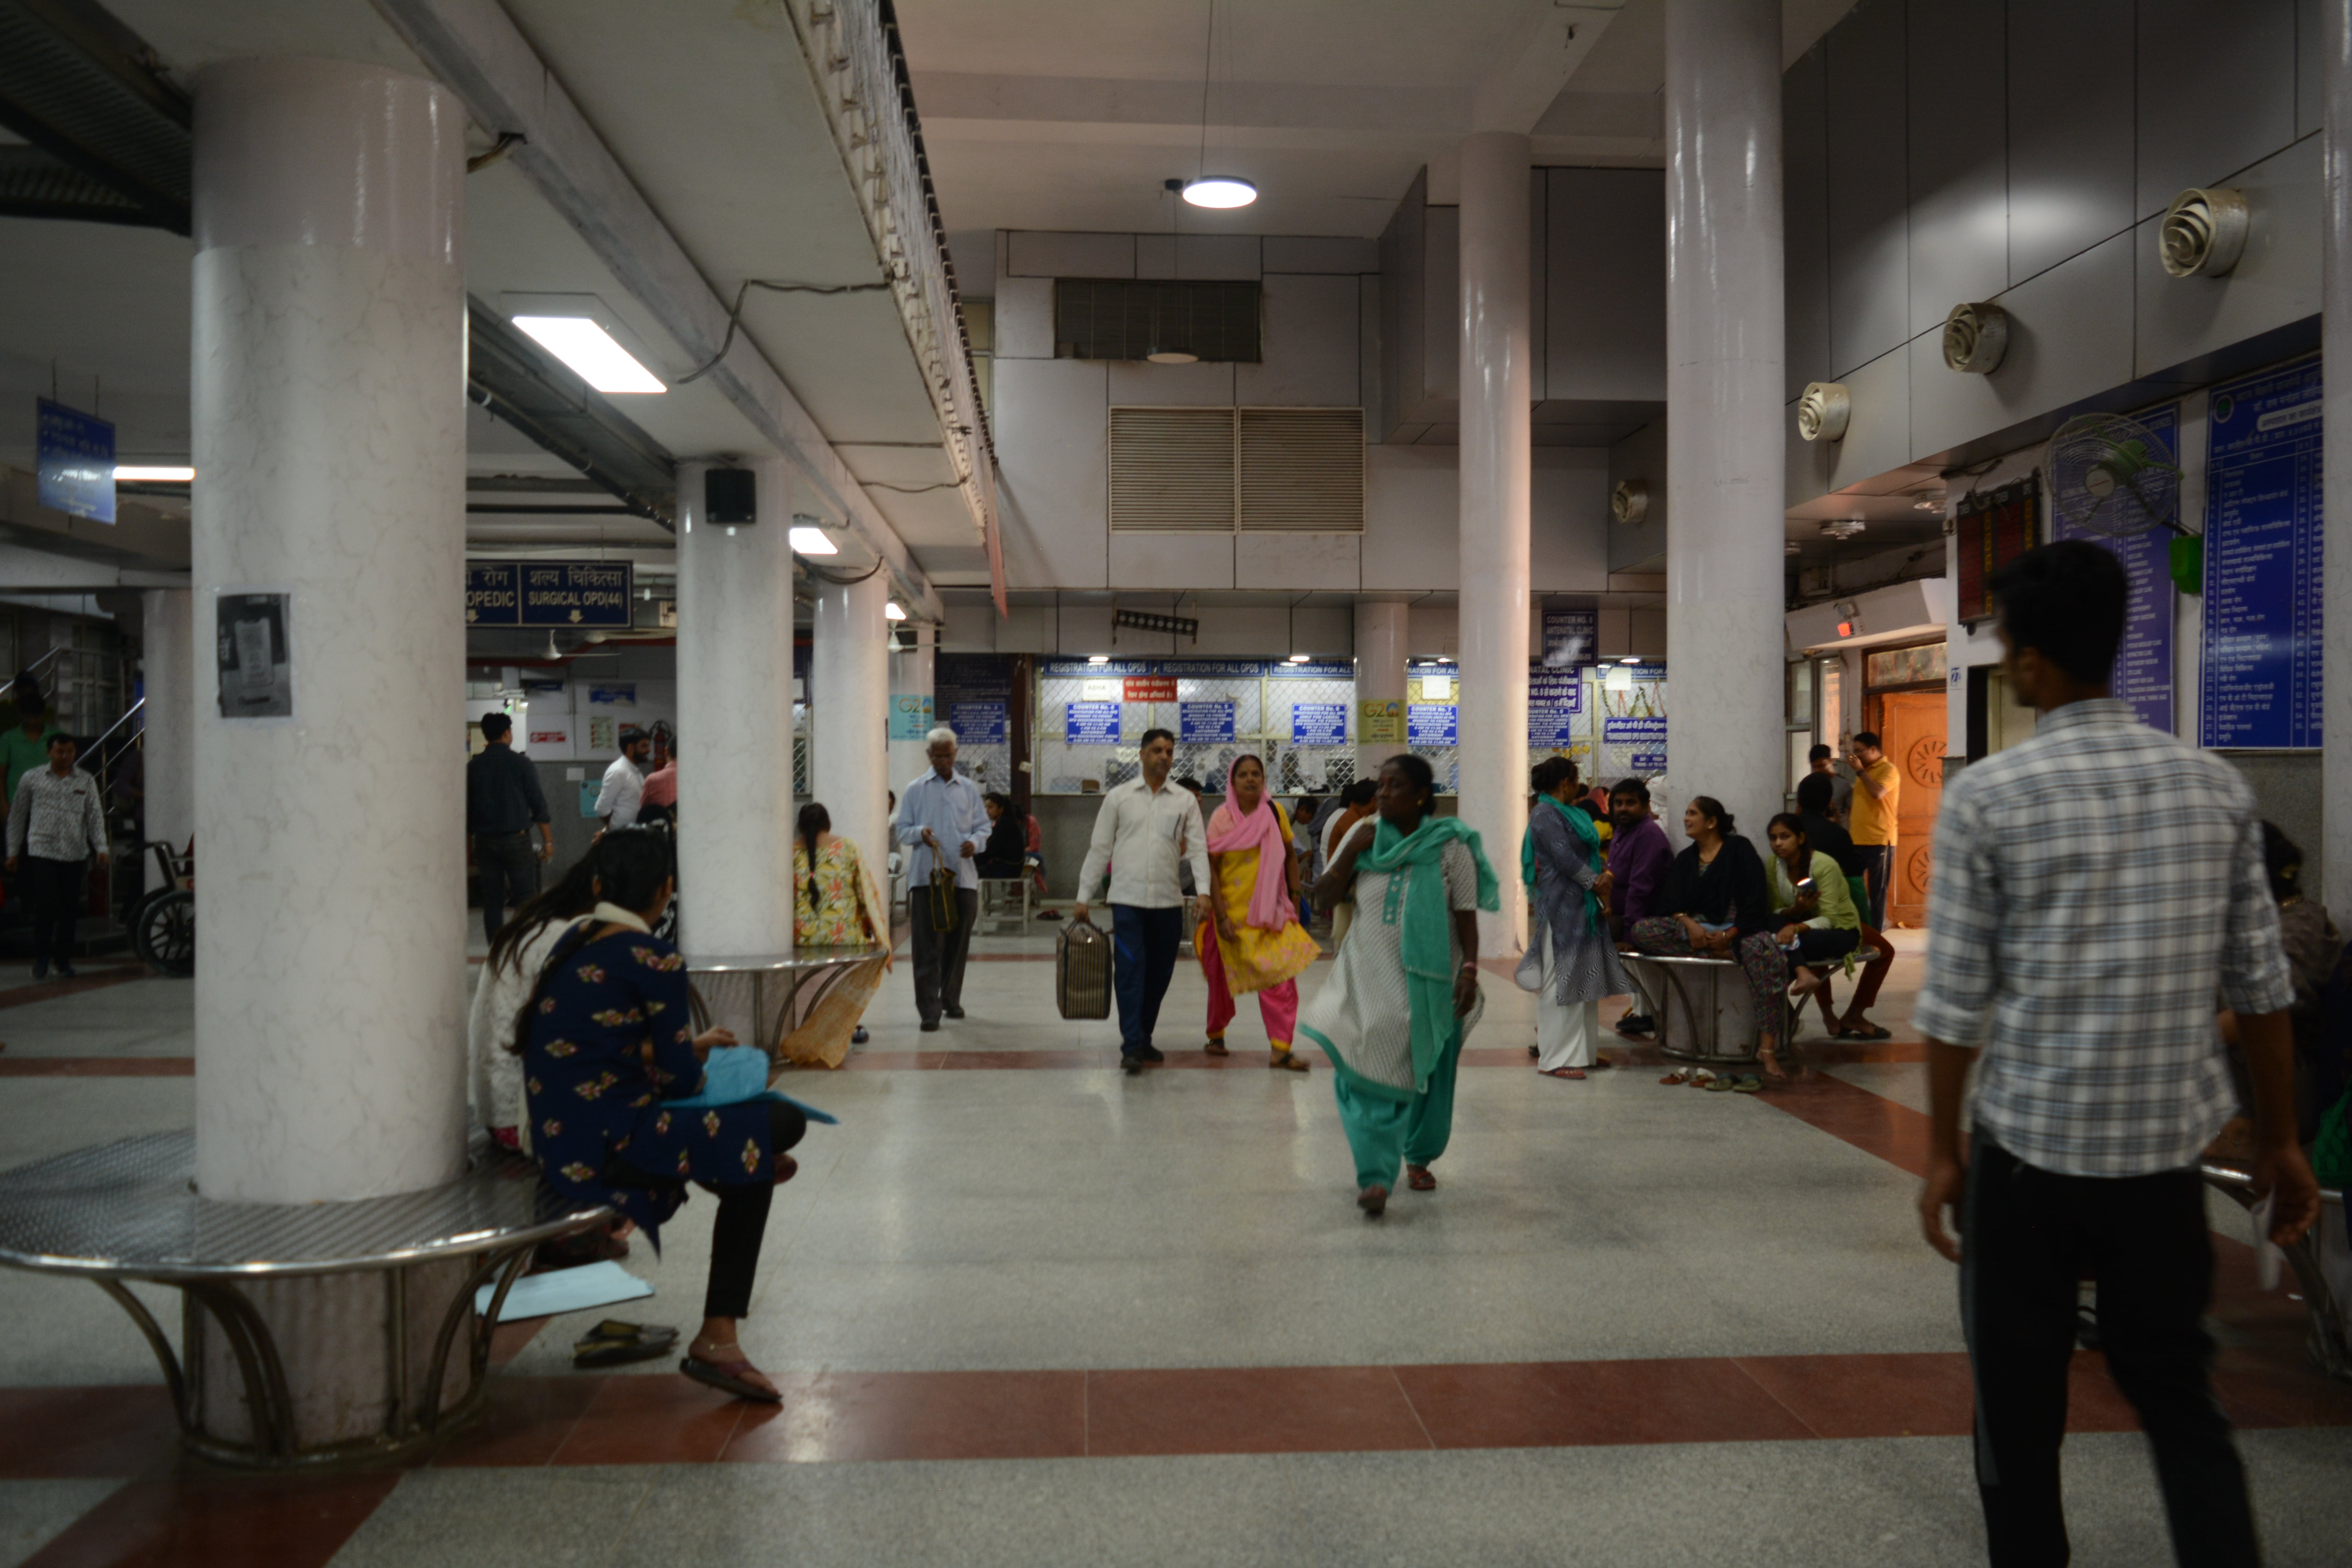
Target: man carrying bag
942	822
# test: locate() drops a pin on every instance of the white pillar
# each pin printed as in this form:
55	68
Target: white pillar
849	705
328	410
2335	374
912	674
735	722
1380	676
1725	457
1496	459
167	658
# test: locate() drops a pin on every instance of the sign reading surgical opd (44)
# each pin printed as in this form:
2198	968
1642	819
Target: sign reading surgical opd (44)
547	593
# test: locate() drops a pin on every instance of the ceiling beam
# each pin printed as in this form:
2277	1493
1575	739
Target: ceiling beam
1553	42
475	47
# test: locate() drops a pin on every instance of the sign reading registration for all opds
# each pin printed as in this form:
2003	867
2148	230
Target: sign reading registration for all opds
547	593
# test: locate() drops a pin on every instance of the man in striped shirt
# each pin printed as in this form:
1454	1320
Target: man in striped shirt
2097	887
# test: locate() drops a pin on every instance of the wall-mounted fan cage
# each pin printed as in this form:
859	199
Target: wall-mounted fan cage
1822	412
1975	337
2113	477
2204	232
1629	503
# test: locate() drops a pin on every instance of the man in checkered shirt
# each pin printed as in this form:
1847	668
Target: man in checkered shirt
2097	890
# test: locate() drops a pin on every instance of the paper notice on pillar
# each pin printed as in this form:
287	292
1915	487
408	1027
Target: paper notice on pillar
254	652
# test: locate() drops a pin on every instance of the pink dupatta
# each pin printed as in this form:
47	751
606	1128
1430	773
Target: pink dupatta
1270	908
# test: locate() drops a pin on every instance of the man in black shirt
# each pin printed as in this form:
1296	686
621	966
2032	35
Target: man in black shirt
502	800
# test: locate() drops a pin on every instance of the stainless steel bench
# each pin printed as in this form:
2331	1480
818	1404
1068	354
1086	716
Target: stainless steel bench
1703	1008
761	997
129	1211
2330	1344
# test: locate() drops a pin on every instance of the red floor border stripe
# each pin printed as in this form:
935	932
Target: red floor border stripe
49	989
98	1066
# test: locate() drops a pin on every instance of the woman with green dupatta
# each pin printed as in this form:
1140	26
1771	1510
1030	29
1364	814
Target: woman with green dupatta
1403	991
1570	962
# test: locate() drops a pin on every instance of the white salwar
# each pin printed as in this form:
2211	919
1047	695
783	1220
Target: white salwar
1567	1033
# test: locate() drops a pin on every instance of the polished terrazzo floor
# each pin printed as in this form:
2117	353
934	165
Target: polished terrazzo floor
1029	1312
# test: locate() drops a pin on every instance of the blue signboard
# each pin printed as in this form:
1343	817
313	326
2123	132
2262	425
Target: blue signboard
1555	698
1092	724
614	694
983	723
1431	724
2262	530
1648	762
1204	723
1283	670
2143	675
1650	733
1571	638
547	593
73	461
1318	723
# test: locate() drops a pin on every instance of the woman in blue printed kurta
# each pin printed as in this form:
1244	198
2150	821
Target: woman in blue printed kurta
606	1041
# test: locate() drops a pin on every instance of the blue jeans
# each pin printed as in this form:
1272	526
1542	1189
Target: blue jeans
1143	953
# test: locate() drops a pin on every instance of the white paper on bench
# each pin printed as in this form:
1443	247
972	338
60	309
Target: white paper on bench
565	1290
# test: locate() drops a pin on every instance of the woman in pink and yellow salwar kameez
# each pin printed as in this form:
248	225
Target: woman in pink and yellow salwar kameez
1252	941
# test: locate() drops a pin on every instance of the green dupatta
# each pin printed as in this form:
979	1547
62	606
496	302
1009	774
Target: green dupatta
1587	836
1416	905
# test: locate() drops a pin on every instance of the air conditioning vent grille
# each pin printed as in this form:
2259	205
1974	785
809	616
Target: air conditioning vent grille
1171	470
1134	318
1302	470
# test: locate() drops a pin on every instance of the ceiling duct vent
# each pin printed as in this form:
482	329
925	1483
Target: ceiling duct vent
1302	470
1975	337
2204	232
1136	318
1629	503
1823	410
1171	470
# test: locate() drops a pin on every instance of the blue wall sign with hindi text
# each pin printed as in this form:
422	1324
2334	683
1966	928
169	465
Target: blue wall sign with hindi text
1318	723
982	723
2260	688
1092	724
2143	675
73	461
1204	723
548	592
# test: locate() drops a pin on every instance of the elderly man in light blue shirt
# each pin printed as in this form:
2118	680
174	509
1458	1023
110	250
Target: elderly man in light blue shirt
943	822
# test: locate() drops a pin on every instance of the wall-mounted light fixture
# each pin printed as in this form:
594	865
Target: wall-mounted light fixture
1975	337
2204	232
1823	410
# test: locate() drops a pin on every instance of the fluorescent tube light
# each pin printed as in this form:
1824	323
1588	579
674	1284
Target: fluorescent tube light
1220	191
590	350
1298	658
1097	658
891	611
806	541
156	474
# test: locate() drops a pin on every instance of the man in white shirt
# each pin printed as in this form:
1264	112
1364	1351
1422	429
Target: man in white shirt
55	825
623	794
943	821
1147	828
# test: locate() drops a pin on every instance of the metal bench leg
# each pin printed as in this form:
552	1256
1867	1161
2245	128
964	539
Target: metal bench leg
507	1265
173	1379
265	1394
2328	1342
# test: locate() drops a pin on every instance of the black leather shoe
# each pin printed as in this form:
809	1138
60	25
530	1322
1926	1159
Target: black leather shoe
931	1025
955	1012
66	971
1151	1054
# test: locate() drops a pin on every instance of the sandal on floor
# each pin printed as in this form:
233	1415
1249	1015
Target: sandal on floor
1216	1047
1562	1072
728	1377
1373	1201
1863	1032
1598	1062
1418	1178
615	1343
1720	1085
1677	1076
1285	1061
1750	1084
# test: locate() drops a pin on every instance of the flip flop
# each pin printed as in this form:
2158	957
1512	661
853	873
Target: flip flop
1750	1084
602	1348
1719	1085
1864	1032
1284	1061
727	1376
1373	1201
1419	1179
1675	1077
1562	1072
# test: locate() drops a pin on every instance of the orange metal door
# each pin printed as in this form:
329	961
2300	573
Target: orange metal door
1913	725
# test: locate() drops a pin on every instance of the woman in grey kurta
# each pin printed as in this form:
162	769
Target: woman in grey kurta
1570	962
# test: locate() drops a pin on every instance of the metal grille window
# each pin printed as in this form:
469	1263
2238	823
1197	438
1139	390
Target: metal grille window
1135	318
1212	470
1265	718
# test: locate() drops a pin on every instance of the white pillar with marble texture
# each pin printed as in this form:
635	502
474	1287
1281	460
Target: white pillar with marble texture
1496	469
849	712
735	722
328	409
912	674
1380	676
2335	374
167	660
1726	459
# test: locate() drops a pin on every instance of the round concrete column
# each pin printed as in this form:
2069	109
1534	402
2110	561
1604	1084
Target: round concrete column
735	724
328	398
2336	372
1496	461
1726	462
911	674
1380	676
167	660
849	706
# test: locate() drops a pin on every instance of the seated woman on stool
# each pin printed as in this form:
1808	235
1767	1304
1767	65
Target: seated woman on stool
604	1039
1008	839
1715	907
1819	920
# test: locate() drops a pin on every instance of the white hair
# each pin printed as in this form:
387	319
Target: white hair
940	732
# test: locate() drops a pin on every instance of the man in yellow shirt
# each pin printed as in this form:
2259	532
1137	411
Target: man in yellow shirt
1877	792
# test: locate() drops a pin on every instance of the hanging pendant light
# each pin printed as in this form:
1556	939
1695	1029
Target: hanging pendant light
1220	191
1158	350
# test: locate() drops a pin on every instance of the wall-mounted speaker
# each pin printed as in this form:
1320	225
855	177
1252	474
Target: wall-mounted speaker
730	497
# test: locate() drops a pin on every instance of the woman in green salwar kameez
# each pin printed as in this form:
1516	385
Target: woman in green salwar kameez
1403	993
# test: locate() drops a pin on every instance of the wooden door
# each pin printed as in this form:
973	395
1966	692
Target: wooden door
1912	727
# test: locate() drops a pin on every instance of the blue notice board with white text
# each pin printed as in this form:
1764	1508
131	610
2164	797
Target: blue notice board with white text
2260	688
1092	724
2143	675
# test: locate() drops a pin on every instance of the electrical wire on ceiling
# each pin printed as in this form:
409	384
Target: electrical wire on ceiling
735	313
821	575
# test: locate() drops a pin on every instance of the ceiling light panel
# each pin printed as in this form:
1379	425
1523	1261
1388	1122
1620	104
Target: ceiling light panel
806	541
592	352
1220	191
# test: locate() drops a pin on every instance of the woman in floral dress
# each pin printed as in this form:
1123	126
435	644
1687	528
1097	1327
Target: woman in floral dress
835	905
606	1042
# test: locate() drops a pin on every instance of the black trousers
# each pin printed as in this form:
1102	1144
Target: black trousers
507	871
55	889
939	954
1877	871
742	1220
2027	1237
